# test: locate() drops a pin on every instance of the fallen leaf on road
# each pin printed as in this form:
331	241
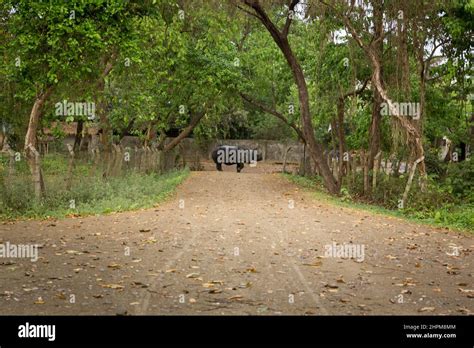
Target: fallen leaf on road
61	296
313	264
114	265
406	282
464	310
39	301
150	240
331	286
140	284
466	291
113	286
235	297
73	252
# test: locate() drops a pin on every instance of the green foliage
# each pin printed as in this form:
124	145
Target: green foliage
175	60
436	206
460	180
91	193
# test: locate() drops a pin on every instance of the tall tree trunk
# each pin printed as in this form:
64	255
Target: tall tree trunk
342	139
31	153
107	63
281	39
375	125
78	137
315	148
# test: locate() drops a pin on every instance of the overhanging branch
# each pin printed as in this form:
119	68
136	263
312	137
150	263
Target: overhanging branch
273	112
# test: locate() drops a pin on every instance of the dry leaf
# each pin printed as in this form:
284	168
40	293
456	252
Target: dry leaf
314	264
113	286
466	291
331	286
235	297
150	240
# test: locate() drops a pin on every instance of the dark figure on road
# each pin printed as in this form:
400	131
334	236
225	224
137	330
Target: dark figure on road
230	155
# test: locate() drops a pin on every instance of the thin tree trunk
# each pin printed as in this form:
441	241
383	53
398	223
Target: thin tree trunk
11	164
285	157
342	140
186	131
78	137
376	169
410	179
375	125
31	153
70	170
365	167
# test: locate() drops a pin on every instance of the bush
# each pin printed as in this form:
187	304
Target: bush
89	193
460	180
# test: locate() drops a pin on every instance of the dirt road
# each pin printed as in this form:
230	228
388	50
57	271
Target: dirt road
229	243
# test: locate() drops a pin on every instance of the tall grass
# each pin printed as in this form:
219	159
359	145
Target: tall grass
89	192
431	208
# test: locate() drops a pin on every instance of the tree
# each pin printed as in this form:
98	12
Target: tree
281	39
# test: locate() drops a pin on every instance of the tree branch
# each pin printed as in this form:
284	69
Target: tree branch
356	91
273	112
291	8
185	132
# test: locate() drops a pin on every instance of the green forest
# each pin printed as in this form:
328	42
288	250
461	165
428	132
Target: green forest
361	84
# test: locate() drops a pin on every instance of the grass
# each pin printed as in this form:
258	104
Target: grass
459	217
89	194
